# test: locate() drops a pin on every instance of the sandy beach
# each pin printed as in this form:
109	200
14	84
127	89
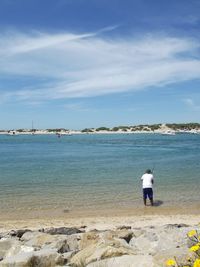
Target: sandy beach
102	219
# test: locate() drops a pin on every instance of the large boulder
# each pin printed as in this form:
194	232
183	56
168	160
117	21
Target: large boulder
153	241
144	244
6	244
39	240
125	261
18	233
125	234
63	243
101	250
19	260
93	237
88	239
12	246
42	258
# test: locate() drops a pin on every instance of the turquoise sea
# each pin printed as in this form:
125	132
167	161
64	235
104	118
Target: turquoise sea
79	172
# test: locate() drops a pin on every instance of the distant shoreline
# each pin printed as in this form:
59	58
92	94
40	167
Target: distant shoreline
165	129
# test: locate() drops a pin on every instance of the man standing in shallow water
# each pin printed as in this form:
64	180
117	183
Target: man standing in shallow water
147	185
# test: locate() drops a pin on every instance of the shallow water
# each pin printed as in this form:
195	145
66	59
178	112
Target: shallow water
43	172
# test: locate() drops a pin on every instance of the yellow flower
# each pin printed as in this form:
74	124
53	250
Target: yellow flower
170	262
195	248
197	263
192	233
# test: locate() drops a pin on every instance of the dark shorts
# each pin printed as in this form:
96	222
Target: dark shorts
148	192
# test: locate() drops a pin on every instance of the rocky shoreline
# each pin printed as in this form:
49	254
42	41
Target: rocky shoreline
122	246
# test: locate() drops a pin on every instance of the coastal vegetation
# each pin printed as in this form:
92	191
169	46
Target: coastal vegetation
56	130
184	126
102	129
87	130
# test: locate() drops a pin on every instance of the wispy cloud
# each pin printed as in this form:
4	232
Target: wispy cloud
191	103
77	107
86	65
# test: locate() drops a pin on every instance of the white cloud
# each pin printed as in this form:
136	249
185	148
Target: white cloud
88	65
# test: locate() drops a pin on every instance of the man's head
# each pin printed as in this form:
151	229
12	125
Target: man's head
148	171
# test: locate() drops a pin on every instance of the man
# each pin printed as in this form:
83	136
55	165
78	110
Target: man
147	184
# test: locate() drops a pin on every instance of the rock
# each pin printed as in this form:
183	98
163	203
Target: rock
28	236
160	239
18	249
65	244
89	238
122	227
163	255
42	258
123	247
18	233
142	245
125	234
151	236
19	260
73	242
125	261
101	250
61	243
61	246
122	234
68	255
39	240
138	232
47	258
180	225
7	245
62	231
173	238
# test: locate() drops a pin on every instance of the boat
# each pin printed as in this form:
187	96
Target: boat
168	133
59	134
12	133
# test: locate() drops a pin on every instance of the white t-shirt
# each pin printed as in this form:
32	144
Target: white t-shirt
147	180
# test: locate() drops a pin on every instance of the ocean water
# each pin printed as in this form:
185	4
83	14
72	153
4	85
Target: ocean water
80	172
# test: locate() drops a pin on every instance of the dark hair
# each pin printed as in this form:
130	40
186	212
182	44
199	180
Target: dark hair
148	171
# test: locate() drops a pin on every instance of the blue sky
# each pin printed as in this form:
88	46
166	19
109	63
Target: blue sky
91	63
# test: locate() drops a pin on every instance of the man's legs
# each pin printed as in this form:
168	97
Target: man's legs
151	200
145	196
150	195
